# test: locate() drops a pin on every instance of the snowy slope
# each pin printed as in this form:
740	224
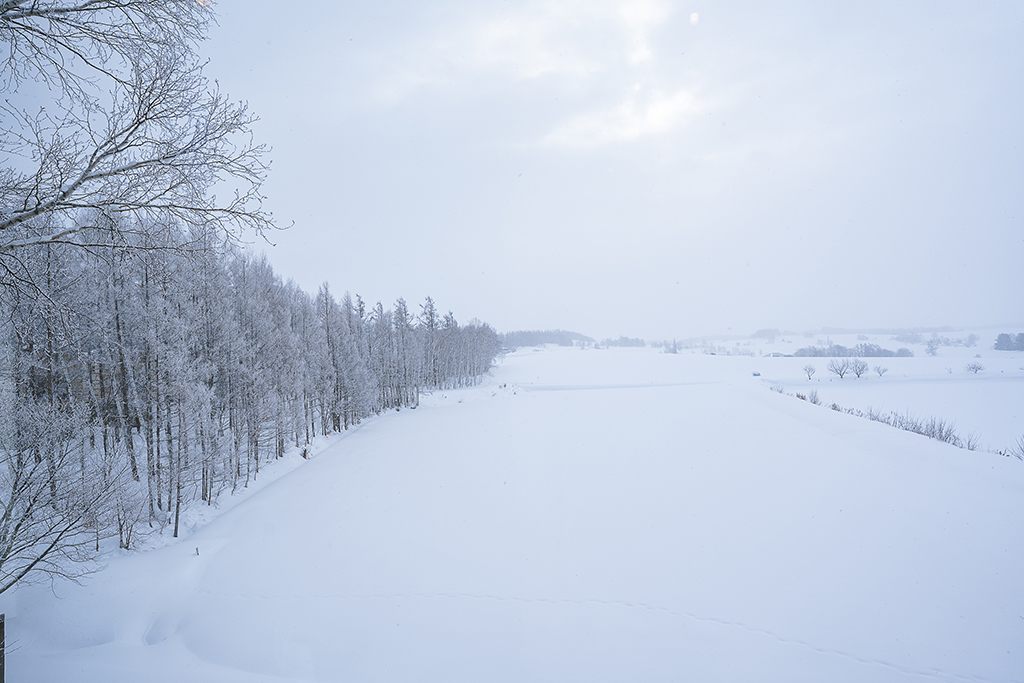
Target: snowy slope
586	515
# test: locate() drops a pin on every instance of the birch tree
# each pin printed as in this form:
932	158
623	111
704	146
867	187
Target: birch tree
107	107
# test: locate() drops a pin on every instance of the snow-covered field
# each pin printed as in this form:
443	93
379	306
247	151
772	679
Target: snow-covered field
594	515
988	404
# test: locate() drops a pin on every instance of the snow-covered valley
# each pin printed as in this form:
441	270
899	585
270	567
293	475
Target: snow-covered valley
591	515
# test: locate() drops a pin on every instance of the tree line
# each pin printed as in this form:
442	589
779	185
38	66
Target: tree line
147	361
139	381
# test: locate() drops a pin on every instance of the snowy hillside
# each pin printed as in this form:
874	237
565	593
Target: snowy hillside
589	515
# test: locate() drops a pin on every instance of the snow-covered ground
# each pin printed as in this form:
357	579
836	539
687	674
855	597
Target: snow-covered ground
593	515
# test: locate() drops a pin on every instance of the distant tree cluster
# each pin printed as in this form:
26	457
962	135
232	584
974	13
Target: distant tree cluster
918	338
909	338
1008	342
768	333
864	350
669	346
625	341
514	340
711	349
936	341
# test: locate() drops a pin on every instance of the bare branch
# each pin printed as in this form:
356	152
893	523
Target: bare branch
166	141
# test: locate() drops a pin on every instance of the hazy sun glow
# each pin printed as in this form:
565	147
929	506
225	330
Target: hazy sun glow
757	158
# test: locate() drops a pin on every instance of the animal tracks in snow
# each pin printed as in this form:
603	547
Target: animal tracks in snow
933	674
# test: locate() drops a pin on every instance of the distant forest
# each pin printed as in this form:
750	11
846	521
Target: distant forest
514	340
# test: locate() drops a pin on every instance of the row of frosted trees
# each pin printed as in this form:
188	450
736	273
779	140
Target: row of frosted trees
136	381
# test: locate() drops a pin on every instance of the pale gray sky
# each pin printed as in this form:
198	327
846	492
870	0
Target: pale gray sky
644	167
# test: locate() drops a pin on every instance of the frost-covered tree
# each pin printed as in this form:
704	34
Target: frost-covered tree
139	381
106	106
429	328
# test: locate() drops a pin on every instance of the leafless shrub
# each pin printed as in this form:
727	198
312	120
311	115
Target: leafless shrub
931	427
974	367
777	388
1017	450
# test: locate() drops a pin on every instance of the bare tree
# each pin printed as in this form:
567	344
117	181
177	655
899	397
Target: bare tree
974	367
133	128
51	496
839	366
880	370
810	370
858	367
65	44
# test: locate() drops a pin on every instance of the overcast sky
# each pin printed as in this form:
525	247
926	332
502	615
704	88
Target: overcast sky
644	167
